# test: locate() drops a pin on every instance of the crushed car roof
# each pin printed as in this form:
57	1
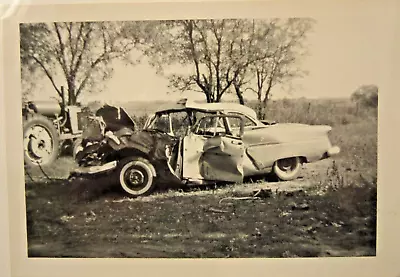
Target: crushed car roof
184	104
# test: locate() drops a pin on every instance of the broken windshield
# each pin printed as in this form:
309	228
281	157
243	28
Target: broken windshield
174	123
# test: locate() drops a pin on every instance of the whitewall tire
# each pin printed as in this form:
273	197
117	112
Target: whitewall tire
287	169
137	176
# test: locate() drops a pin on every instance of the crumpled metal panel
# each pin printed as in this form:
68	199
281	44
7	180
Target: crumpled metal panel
218	158
152	144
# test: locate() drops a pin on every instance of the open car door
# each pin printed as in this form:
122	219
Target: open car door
214	152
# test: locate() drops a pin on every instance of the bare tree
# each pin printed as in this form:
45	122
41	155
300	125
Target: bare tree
229	55
262	34
283	49
214	52
81	52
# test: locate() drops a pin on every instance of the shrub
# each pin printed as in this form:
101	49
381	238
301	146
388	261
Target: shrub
139	120
307	111
366	96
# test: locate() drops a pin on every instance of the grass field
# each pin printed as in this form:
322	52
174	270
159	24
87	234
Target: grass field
329	211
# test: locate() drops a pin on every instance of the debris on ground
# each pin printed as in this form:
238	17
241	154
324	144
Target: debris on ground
303	206
294	193
263	193
238	198
66	218
282	214
217	210
337	225
90	216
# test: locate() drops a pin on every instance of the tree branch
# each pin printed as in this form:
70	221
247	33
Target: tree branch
218	57
189	27
47	74
100	59
61	54
84	47
74	47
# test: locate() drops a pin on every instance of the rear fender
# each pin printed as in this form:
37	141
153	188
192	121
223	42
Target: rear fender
266	155
133	152
121	145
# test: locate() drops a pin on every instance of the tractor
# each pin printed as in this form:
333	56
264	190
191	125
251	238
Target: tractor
49	127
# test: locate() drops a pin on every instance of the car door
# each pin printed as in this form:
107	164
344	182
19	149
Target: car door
212	151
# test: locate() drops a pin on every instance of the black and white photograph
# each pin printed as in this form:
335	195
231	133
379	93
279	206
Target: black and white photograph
203	137
238	147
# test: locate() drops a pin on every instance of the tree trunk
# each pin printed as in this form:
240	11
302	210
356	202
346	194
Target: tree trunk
239	95
260	111
208	97
71	91
265	101
264	108
71	97
218	98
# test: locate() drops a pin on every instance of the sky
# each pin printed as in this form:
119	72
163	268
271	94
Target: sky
344	53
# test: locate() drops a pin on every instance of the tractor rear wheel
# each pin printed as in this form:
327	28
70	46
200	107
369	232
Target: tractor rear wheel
41	141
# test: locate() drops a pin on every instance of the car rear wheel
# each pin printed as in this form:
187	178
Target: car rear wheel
287	169
136	176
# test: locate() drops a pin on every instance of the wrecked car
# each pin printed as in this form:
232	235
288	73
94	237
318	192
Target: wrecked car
198	143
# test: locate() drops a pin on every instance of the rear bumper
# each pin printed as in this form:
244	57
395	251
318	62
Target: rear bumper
95	169
333	151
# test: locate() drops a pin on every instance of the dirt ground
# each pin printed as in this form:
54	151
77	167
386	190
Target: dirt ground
285	219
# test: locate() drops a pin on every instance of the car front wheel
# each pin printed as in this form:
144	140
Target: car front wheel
287	169
136	176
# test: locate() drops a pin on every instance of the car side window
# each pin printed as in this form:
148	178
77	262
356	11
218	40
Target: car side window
161	123
180	122
210	126
234	122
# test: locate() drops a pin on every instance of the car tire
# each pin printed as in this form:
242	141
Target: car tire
137	176
41	141
287	169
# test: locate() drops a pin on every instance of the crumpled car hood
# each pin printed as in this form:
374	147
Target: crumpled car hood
284	132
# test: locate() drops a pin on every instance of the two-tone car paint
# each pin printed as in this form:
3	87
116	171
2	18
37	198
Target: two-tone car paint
220	142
